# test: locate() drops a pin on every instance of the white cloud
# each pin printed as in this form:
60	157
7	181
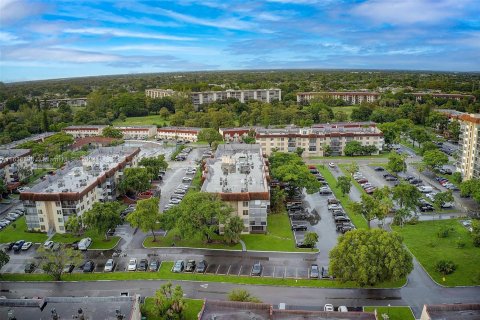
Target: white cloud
15	10
55	54
410	11
126	34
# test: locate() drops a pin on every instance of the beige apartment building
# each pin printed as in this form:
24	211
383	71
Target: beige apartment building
74	189
264	95
85	130
15	165
348	97
468	163
138	132
313	140
239	175
454	96
159	93
178	133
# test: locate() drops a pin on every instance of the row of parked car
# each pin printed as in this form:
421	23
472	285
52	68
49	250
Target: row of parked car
447	184
342	221
190	266
182	156
181	190
11	217
363	182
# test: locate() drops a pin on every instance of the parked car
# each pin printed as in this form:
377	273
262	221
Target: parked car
314	271
334	206
325	191
89	266
48	245
109	265
68	268
30	267
132	264
143	265
18	245
342	309
190	267
179	266
325	273
425	189
84	244
299	227
332	201
9	246
362	180
379	169
331	165
328	307
446	171
154	265
202	266
256	269
186	179
391	178
26	246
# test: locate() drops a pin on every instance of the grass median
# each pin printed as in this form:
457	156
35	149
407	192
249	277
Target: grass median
98	241
165	273
357	219
142	121
19	232
192	308
428	248
393	313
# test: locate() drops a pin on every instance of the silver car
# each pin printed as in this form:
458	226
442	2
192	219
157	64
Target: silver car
109	265
179	266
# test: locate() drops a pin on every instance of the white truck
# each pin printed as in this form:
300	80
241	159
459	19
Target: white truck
84	244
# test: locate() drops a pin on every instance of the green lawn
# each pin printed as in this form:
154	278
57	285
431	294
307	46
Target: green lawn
278	238
10	234
357	219
428	248
142	121
98	242
347	109
194	306
394	313
37	173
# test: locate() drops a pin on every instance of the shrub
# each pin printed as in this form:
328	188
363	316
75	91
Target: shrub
242	295
461	244
413	221
443	232
445	267
476	240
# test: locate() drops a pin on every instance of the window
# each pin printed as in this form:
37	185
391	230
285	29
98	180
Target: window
40	211
58	204
40	219
60	219
42	227
245	203
245	212
61	228
59	212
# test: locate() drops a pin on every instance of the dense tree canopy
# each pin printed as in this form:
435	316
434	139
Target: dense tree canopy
102	217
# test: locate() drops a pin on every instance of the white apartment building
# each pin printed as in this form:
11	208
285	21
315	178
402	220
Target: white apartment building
348	97
264	95
85	130
15	165
159	93
72	102
314	139
420	95
238	174
138	132
178	133
469	162
74	189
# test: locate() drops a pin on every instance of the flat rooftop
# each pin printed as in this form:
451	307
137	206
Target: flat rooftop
454	311
353	128
33	137
78	175
6	154
236	168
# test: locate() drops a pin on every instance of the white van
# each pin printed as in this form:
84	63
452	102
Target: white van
84	244
425	189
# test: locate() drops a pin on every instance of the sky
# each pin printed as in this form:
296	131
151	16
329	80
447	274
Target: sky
66	38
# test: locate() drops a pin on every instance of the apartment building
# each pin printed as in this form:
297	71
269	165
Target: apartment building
348	97
178	133
239	175
264	95
159	93
235	134
468	163
85	130
420	95
15	165
39	137
74	189
138	132
314	140
72	102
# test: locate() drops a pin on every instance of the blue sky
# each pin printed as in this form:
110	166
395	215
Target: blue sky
57	39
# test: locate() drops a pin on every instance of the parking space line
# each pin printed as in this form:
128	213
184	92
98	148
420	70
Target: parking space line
228	271
273	275
240	271
296	272
217	269
285	273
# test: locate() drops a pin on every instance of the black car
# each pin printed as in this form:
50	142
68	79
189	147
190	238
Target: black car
391	178
74	245
9	246
425	208
379	169
324	272
256	269
68	268
302	244
190	267
299	227
30	267
18	245
154	265
202	266
89	266
143	265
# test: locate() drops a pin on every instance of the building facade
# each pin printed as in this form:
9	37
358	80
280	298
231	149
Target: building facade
315	140
348	97
72	102
138	132
85	131
239	175
178	133
420	95
74	189
235	134
264	95
159	93
15	165
468	163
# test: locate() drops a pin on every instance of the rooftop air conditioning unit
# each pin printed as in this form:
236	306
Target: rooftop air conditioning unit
64	190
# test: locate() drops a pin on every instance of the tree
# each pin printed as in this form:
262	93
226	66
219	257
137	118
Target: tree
396	162
154	165
4	258
311	239
232	229
407	197
419	135
3	187
441	198
242	295
102	217
74	224
209	135
299	151
457	177
454	130
445	267
277	199
428	145
352	148
368	257
112	132
135	180
434	159
169	302
146	216
476	233
327	150
198	216
53	261
164	113
341	116
344	183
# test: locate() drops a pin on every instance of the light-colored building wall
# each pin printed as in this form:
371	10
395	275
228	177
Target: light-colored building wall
264	95
84	131
178	133
15	165
159	93
469	161
138	132
348	97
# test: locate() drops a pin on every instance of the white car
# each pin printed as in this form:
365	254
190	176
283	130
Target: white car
328	307
132	264
342	309
175	201
109	265
331	165
26	246
48	245
334	206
